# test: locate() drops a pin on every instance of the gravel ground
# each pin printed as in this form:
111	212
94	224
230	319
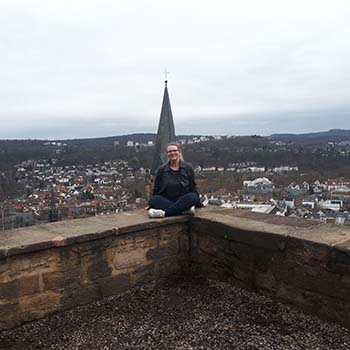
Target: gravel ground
180	312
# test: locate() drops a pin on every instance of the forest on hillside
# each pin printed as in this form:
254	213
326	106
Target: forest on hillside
262	151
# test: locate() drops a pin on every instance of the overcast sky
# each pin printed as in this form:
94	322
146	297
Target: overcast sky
91	68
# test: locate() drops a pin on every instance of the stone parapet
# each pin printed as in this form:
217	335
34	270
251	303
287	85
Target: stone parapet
54	267
294	261
50	268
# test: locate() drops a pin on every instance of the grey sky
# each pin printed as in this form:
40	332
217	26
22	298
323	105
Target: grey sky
95	68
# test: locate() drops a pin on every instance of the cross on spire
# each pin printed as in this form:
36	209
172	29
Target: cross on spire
166	73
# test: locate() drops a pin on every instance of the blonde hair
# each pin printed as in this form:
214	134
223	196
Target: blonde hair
178	147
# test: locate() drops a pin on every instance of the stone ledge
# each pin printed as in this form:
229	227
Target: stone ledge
304	265
245	221
55	267
63	233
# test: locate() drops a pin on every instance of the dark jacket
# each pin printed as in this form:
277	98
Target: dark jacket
185	174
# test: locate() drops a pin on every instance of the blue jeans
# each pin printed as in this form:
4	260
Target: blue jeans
175	206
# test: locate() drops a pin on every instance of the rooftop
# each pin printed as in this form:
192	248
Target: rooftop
173	283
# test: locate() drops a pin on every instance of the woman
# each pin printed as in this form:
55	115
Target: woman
174	190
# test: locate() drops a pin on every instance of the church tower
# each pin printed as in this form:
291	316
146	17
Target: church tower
166	132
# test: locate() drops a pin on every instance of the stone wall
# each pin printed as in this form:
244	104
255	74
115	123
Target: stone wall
308	267
50	268
80	270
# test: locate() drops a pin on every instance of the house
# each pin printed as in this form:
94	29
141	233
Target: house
256	194
259	182
317	187
334	205
322	215
293	186
305	185
309	202
338	184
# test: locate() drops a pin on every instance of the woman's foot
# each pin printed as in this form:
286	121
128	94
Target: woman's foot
156	213
191	211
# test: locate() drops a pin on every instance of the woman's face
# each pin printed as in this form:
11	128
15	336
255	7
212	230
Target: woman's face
173	153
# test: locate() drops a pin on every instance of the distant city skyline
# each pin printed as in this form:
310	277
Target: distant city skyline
95	68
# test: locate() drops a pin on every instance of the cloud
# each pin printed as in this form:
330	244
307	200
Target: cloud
67	63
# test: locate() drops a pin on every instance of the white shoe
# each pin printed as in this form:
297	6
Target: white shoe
191	211
156	213
205	200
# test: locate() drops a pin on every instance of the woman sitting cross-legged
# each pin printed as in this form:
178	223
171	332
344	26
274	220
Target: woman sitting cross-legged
174	190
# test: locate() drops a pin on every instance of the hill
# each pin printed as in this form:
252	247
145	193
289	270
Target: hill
122	139
334	135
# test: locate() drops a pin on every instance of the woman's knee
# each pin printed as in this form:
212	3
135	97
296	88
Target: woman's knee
159	202
192	196
154	200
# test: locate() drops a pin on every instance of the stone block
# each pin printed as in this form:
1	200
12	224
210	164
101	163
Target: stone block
343	312
129	252
183	242
264	240
146	239
170	266
291	295
144	268
207	244
114	284
10	315
167	232
39	305
193	239
311	253
242	274
95	265
266	283
19	287
85	248
168	249
311	278
68	259
127	258
339	260
4	266
31	263
72	296
60	279
314	303
198	257
144	274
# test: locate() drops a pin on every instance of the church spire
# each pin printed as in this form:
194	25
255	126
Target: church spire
166	130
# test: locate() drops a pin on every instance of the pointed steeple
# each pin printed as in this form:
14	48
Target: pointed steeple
166	131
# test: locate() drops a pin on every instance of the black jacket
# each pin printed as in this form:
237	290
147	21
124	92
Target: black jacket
186	178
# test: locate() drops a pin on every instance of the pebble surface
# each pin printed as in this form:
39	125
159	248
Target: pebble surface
180	312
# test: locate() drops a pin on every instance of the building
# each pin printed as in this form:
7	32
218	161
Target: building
165	133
